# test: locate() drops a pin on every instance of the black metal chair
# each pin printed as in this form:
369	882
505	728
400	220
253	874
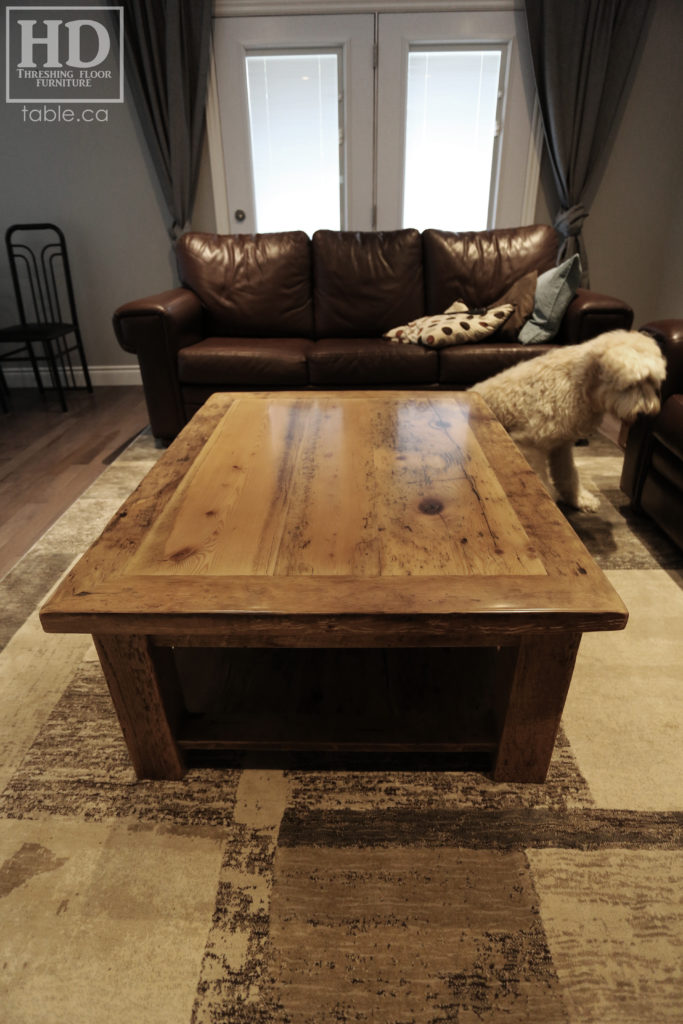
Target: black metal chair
48	331
4	393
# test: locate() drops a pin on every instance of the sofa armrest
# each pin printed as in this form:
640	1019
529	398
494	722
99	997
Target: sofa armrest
155	329
669	337
175	315
590	313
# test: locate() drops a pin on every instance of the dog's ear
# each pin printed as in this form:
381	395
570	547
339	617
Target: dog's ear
651	355
621	366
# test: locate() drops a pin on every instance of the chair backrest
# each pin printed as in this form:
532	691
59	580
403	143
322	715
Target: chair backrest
41	274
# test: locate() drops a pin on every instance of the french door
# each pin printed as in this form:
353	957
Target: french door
296	121
370	121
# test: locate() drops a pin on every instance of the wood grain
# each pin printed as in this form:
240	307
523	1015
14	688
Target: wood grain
146	695
533	707
310	486
48	457
320	504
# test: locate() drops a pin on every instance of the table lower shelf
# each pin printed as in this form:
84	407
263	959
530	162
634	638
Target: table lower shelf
243	732
357	700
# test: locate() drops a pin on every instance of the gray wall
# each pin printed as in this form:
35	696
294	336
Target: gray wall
95	181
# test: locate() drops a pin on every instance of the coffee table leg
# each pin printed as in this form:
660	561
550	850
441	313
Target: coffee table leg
144	688
540	680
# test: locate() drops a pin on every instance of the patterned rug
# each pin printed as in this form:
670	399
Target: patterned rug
270	890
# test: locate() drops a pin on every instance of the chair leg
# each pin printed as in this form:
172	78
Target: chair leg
36	369
4	394
84	362
54	373
65	363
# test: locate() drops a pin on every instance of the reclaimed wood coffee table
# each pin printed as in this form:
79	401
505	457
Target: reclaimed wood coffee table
377	542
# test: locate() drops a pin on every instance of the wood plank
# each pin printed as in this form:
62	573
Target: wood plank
146	695
561	550
334	606
258	498
125	532
247	732
331	519
533	707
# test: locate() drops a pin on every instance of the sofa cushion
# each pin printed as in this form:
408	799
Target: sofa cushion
251	285
555	289
479	266
457	326
372	361
245	362
366	282
521	294
464	365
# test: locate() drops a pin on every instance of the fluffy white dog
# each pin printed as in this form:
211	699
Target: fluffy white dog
549	402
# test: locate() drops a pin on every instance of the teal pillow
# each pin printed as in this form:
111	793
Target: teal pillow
554	291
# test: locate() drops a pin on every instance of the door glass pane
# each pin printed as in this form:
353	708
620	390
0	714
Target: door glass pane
451	115
294	101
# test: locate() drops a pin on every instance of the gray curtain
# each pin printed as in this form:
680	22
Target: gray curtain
584	53
166	60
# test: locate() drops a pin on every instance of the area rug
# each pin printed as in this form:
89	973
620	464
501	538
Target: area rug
345	889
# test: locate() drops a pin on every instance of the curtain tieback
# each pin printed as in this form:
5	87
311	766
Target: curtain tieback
570	221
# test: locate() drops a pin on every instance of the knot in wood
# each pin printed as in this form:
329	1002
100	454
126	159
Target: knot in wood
431	506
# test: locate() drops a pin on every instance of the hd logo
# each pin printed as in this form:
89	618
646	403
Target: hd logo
64	54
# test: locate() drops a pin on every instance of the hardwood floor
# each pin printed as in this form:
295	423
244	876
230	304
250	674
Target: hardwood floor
48	457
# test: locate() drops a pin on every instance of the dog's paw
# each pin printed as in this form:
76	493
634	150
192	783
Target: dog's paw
587	502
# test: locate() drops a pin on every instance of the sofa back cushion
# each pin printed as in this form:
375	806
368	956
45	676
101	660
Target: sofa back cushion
365	282
480	266
251	285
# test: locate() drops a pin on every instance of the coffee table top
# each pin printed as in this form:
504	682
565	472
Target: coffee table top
318	513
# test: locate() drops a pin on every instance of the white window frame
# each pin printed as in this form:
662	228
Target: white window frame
254	8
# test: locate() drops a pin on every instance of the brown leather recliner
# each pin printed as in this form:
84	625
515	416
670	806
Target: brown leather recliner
652	474
285	311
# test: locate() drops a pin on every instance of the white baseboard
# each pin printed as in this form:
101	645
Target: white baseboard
21	376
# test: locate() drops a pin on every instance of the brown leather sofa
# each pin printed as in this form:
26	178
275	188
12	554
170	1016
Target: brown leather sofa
285	311
652	474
